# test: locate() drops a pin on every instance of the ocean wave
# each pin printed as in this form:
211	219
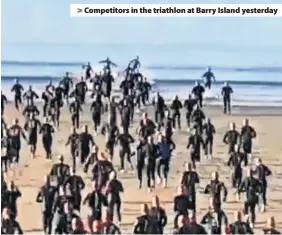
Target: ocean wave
158	82
253	69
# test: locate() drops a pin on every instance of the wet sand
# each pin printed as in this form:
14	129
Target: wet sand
29	175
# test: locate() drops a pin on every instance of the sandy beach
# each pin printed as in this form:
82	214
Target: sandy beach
29	175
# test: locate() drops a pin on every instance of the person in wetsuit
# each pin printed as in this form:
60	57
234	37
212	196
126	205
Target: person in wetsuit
198	92
247	135
152	153
96	109
181	204
73	141
161	213
239	226
176	107
125	115
113	112
262	171
30	109
4	102
108	63
134	64
75	109
88	70
76	184
106	86
235	163
45	197
198	116
113	189
189	107
85	140
30	95
15	133
165	148
214	218
215	188
11	195
8	224
80	90
231	137
208	76
189	179
253	188
141	223
18	89
159	108
226	95
195	142
111	133
125	139
47	139
146	127
208	136
67	84
47	97
147	89
32	127
140	160
60	171
95	200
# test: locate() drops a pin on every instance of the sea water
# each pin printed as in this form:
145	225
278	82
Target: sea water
43	42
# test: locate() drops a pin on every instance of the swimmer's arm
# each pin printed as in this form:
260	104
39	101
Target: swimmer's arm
22	133
189	143
35	95
13	88
267	171
225	138
254	133
131	139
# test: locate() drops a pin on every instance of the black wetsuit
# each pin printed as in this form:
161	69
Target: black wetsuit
94	201
214	188
195	141
114	188
198	92
247	134
189	106
30	109
30	95
262	172
208	133
32	126
152	153
214	219
73	141
47	139
67	83
85	139
96	109
125	140
240	227
182	205
46	196
189	180
75	109
112	132
76	184
81	88
226	94
140	161
231	138
18	89
15	132
159	106
176	106
234	162
61	171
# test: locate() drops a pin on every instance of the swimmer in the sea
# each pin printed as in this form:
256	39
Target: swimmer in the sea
134	64
208	76
108	64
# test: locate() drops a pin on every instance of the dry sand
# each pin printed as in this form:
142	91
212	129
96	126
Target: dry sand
29	175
